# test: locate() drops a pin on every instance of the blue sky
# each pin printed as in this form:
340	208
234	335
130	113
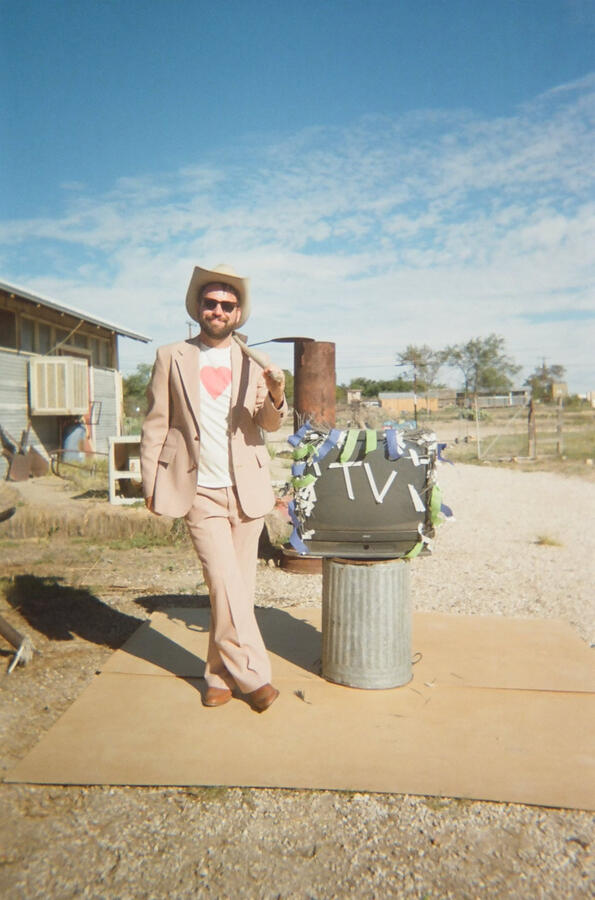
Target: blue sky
386	173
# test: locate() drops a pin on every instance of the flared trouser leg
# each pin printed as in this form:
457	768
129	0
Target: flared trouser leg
226	542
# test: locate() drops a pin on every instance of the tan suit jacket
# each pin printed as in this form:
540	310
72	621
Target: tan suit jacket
170	442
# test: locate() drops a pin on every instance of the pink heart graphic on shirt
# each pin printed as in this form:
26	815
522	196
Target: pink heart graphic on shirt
215	380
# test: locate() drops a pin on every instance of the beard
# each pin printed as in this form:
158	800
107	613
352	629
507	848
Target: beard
216	328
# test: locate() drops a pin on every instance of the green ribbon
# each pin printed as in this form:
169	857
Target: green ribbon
303	481
304	450
349	445
371	440
415	551
435	505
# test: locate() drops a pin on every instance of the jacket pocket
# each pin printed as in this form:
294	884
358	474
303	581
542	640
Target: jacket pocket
169	449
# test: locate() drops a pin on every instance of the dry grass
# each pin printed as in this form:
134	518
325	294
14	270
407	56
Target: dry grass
100	523
545	540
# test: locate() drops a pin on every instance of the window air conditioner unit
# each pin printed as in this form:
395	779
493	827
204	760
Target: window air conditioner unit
58	386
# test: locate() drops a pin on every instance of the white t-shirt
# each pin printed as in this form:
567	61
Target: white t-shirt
215	469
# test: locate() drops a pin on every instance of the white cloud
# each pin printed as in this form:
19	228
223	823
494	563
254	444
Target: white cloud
429	229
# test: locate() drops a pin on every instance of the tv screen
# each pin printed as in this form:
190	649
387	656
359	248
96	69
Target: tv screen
363	494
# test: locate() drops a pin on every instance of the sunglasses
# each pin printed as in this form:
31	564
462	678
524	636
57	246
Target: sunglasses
226	305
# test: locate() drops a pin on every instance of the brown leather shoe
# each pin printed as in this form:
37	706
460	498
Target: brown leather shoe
263	697
216	696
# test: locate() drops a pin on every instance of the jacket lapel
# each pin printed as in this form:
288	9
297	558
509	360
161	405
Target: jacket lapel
240	374
237	358
187	361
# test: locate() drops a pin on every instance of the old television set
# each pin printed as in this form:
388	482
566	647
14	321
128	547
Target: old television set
370	506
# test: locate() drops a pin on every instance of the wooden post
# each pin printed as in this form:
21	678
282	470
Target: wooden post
477	427
559	429
532	431
13	636
22	644
415	396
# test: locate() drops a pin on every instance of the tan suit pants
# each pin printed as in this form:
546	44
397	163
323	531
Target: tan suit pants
226	542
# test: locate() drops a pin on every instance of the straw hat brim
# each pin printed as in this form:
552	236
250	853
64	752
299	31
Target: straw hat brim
224	275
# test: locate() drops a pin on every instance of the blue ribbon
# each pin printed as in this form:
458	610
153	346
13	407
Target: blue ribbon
442	447
295	439
391	444
295	540
330	442
298	468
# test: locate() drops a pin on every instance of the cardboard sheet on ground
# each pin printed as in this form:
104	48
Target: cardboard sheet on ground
498	709
476	651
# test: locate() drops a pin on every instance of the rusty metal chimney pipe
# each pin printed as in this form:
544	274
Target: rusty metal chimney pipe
314	382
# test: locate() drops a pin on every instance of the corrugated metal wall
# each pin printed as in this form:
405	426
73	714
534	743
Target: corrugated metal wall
45	433
105	388
14	399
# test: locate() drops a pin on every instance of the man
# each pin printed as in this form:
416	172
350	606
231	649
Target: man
203	457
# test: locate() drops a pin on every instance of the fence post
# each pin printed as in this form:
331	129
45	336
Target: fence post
559	429
477	427
532	431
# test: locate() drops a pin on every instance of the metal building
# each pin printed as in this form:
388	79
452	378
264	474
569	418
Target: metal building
57	363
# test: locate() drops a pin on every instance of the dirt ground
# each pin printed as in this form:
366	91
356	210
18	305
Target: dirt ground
79	598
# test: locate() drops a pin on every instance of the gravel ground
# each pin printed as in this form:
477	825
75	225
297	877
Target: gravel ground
521	545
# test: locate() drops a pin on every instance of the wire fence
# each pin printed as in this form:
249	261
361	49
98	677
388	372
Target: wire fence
529	433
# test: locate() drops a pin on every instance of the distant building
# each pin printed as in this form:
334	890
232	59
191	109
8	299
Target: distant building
559	390
445	396
514	397
404	403
57	363
354	395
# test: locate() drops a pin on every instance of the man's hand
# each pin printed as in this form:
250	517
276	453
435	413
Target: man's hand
275	382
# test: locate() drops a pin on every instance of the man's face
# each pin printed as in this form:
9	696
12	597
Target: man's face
218	311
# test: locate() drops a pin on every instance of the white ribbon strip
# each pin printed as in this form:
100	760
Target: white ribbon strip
379	497
346	466
417	501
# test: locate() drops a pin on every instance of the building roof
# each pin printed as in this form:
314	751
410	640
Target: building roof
486	392
395	395
71	310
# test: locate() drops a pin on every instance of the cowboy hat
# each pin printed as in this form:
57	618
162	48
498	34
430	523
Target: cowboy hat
220	274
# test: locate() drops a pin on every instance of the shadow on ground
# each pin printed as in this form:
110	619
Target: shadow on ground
153	602
61	612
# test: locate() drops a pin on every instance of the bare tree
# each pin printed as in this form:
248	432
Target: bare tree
424	364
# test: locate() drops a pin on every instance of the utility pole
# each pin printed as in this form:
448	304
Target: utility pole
415	395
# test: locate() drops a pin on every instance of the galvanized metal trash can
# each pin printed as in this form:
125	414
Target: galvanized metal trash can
366	622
